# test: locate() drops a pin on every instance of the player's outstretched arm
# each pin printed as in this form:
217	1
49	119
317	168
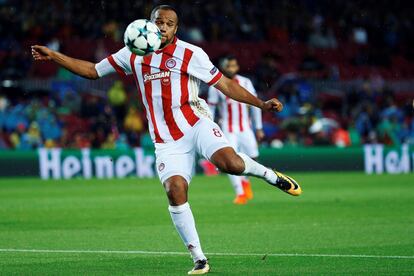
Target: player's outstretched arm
233	90
80	67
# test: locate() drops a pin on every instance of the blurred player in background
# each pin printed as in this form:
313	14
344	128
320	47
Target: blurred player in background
179	121
236	124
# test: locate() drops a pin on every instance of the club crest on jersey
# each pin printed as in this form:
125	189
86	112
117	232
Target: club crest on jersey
170	63
159	75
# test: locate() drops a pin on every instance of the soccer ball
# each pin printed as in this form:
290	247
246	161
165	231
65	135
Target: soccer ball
142	37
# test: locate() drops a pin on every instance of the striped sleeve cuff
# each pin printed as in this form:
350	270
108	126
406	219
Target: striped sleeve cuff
215	79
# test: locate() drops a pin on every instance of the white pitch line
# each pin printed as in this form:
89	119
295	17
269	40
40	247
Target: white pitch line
140	252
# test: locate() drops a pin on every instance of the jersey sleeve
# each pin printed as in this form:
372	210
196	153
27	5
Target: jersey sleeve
203	69
118	62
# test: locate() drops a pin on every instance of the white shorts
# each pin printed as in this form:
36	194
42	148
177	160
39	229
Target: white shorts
244	142
178	157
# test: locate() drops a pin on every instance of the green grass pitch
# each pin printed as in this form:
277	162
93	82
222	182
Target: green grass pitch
350	218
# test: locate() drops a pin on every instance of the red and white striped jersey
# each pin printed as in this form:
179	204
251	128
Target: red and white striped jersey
235	115
168	85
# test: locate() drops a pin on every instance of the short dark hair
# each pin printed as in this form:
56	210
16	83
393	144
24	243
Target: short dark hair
165	8
223	60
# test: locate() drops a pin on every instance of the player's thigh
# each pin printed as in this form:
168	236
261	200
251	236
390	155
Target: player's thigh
177	160
209	138
248	144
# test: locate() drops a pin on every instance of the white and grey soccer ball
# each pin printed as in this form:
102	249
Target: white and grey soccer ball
142	37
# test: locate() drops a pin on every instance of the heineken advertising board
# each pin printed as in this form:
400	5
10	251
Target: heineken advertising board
138	162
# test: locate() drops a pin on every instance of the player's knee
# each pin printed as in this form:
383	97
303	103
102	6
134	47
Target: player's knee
176	189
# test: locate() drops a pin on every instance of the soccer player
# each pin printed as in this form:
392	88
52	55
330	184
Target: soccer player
235	123
179	122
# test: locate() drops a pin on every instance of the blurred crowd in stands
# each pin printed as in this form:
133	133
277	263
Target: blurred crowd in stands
281	45
368	113
72	120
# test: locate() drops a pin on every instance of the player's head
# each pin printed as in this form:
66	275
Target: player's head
166	18
229	66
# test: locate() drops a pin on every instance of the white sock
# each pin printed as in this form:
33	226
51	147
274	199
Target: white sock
236	181
183	220
255	169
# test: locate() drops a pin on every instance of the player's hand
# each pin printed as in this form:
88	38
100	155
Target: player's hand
41	53
260	135
273	105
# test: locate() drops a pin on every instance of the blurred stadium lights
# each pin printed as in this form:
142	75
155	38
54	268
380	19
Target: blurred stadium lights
8	83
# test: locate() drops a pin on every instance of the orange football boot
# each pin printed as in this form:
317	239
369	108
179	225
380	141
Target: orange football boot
240	200
247	189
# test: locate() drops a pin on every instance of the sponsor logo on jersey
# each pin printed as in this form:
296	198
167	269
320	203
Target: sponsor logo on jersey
170	63
157	76
214	70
